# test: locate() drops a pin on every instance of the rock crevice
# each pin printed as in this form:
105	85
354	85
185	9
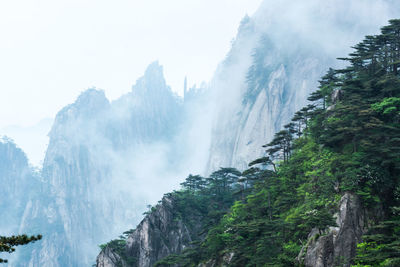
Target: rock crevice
337	247
160	234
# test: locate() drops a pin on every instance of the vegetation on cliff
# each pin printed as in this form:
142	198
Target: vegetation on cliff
346	140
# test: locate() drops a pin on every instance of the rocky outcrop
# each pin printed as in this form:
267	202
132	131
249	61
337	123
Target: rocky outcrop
99	172
161	233
337	247
224	261
92	165
17	180
273	66
108	258
158	235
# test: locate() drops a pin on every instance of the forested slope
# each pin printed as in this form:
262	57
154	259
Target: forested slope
340	154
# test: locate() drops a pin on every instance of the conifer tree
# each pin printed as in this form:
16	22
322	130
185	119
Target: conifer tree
8	244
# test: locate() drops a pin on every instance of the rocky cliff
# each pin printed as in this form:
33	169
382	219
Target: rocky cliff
97	178
337	246
109	258
91	162
161	233
17	178
275	62
158	235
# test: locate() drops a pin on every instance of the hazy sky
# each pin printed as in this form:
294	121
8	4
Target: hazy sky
51	50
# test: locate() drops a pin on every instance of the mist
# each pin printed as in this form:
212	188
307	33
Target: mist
32	139
108	159
141	169
300	41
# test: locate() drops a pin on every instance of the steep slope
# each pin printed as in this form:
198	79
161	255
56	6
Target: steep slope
95	165
276	60
17	179
341	241
339	157
326	194
158	235
32	139
176	224
90	165
147	114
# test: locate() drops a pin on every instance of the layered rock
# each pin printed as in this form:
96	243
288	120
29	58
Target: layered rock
160	234
337	247
89	170
92	183
108	258
275	62
17	181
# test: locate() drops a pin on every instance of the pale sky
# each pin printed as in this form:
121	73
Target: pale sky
51	50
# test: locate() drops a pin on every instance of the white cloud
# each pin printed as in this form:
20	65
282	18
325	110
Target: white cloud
52	50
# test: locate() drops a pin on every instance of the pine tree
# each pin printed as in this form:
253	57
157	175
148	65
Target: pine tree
8	244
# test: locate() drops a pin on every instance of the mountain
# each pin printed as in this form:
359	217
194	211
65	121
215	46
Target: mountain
17	178
32	139
107	160
326	192
275	62
91	165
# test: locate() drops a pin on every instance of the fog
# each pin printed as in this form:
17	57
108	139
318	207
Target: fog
142	168
53	50
32	139
108	158
308	35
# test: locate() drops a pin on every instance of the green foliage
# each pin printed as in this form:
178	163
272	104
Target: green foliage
381	246
388	106
8	244
203	201
118	246
347	139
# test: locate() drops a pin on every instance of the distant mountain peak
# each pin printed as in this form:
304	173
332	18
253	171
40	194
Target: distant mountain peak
152	81
154	69
88	103
88	107
91	96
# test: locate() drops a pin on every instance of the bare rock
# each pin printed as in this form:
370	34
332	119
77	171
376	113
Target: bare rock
108	258
337	247
160	234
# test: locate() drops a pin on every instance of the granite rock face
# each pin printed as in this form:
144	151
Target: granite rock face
17	179
84	198
92	185
274	65
108	258
159	234
338	246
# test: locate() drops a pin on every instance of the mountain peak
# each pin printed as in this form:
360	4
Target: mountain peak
87	106
88	102
154	69
91	100
152	81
